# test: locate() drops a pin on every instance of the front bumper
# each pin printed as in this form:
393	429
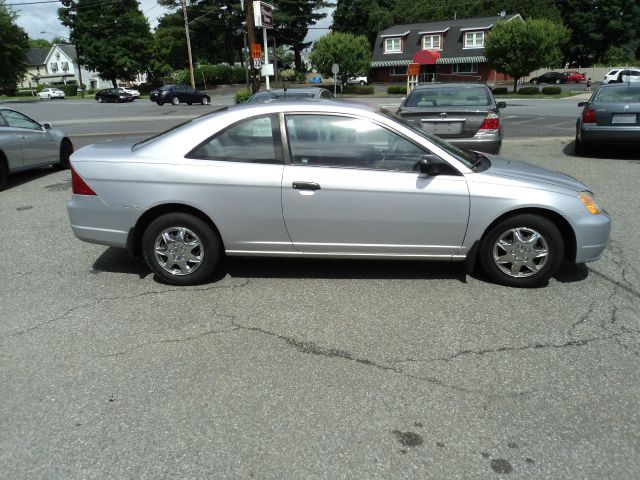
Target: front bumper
610	135
592	235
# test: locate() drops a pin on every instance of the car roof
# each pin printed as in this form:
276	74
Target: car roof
433	85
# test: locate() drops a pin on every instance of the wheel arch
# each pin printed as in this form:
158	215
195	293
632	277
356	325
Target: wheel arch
134	239
565	228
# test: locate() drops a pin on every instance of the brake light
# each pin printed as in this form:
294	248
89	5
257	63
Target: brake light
78	185
491	124
589	116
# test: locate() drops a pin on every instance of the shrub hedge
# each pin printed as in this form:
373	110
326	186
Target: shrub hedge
358	90
500	90
529	91
397	90
242	96
551	90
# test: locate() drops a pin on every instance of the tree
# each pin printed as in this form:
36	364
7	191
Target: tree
39	43
363	17
14	44
292	19
351	52
598	25
111	36
518	48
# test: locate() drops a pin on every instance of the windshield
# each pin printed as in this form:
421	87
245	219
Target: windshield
468	158
619	94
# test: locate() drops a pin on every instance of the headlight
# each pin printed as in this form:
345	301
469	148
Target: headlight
589	201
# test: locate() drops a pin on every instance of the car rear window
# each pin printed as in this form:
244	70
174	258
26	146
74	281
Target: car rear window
613	95
449	97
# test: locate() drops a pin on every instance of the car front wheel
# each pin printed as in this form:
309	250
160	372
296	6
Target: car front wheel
204	101
175	100
522	251
181	249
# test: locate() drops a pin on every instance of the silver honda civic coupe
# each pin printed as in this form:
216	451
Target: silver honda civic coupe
329	180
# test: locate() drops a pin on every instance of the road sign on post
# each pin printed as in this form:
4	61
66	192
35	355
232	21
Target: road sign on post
256	50
263	15
257	63
335	68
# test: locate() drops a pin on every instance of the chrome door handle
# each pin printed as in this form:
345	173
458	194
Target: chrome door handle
306	186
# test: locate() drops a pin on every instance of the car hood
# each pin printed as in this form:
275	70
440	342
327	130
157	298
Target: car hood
541	177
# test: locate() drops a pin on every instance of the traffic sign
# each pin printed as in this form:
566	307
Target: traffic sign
256	50
335	68
257	63
262	15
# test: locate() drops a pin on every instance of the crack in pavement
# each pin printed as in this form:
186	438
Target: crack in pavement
311	348
168	340
124	297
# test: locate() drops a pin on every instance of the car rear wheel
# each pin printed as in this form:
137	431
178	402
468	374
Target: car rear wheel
558	81
579	147
204	101
100	100
362	83
66	149
181	249
522	251
175	100
160	102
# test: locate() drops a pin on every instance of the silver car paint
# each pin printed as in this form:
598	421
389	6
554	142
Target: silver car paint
258	213
25	148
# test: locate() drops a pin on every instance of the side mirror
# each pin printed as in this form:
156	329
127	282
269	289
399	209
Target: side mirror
501	105
582	104
46	126
429	165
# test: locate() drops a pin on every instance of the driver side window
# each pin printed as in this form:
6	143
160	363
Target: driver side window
348	142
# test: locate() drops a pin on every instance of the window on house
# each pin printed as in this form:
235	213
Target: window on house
65	66
393	45
465	68
399	70
53	67
473	39
431	42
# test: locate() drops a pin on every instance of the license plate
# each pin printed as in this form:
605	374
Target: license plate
624	118
442	128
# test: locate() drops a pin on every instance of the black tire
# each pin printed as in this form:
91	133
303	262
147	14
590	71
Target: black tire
558	81
175	100
66	149
160	102
204	101
4	172
579	147
189	103
209	248
100	100
362	83
549	240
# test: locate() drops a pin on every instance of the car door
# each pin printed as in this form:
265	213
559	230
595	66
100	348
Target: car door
38	147
190	95
244	164
10	143
351	188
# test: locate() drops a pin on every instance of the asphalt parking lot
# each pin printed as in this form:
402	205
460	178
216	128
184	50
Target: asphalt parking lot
315	369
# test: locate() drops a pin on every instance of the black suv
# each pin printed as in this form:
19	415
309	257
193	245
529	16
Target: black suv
176	94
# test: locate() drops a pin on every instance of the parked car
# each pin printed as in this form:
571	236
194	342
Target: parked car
362	81
466	115
26	144
114	95
177	94
611	116
551	77
575	77
628	75
327	179
292	93
50	93
614	75
132	91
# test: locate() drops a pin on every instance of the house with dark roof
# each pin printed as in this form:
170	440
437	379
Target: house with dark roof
447	51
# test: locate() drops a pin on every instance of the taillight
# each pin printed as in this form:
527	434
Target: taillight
589	115
491	124
79	187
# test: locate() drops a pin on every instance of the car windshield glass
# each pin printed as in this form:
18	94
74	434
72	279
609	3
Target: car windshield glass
293	95
153	138
467	158
447	96
612	95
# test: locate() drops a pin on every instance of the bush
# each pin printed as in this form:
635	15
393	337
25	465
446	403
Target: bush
358	90
242	96
70	89
529	91
500	90
551	90
397	90
238	75
25	93
288	75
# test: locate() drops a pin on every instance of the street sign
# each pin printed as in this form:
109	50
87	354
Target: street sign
413	69
335	68
263	15
257	63
256	50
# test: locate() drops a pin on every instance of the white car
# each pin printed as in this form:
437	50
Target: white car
362	81
51	93
131	91
622	75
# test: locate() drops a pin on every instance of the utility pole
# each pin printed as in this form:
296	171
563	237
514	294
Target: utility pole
186	30
251	39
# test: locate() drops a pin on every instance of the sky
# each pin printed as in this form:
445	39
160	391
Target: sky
43	17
